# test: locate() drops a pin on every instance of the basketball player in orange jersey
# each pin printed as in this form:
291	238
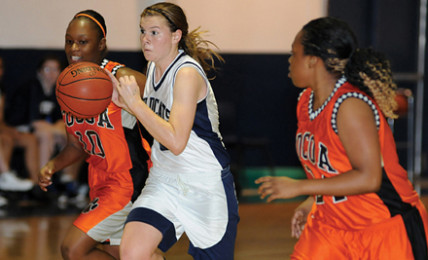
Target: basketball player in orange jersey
362	205
113	147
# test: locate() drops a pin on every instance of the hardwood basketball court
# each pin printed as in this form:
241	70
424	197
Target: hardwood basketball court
263	233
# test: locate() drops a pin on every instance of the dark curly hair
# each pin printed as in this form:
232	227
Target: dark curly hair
333	41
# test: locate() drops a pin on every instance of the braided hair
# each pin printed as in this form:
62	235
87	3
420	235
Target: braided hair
334	42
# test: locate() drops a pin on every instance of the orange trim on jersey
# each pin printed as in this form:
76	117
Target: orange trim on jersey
110	66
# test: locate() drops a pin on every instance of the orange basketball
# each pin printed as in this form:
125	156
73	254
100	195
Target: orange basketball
84	89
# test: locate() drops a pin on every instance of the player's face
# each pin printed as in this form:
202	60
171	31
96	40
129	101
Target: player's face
82	42
299	63
49	72
157	40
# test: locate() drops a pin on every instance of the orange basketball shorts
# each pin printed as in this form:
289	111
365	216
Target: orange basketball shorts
110	195
386	240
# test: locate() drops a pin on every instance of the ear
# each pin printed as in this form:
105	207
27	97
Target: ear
312	61
176	36
103	44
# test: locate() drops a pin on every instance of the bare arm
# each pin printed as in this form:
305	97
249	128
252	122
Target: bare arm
71	153
358	133
139	77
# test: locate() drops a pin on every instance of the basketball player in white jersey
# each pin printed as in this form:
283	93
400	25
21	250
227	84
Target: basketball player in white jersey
190	187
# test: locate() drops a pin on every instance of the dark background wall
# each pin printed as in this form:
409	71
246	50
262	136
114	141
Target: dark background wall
256	98
390	26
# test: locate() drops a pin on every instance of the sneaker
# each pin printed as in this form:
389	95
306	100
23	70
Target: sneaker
3	201
10	182
62	201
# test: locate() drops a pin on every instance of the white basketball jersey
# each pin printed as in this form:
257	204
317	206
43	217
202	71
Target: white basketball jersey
205	150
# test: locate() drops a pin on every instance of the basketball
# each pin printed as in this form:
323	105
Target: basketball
84	89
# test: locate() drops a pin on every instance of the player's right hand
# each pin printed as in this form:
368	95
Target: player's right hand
45	175
298	221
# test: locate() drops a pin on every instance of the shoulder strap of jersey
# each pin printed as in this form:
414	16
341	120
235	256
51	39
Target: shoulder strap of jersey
111	66
341	97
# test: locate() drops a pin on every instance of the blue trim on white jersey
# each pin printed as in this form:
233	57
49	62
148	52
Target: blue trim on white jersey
158	221
205	150
157	86
200	126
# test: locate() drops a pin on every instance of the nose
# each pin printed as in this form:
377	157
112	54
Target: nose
144	38
74	46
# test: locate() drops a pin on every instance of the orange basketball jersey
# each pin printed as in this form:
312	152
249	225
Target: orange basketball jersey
323	156
113	67
117	167
104	139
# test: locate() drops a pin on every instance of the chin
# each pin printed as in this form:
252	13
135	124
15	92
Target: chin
149	58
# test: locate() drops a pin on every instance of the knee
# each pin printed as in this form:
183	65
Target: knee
8	141
129	253
126	253
65	252
28	140
68	253
45	136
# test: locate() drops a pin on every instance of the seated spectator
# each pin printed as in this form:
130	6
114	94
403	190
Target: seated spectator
8	180
34	108
9	138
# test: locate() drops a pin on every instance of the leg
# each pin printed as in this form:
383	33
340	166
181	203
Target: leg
101	220
46	141
29	142
140	241
6	146
8	180
112	250
8	143
224	249
78	245
71	172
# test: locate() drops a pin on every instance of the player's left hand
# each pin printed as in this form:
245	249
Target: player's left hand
277	188
116	98
129	91
119	95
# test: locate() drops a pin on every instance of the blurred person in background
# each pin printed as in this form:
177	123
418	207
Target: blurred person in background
8	140
33	108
